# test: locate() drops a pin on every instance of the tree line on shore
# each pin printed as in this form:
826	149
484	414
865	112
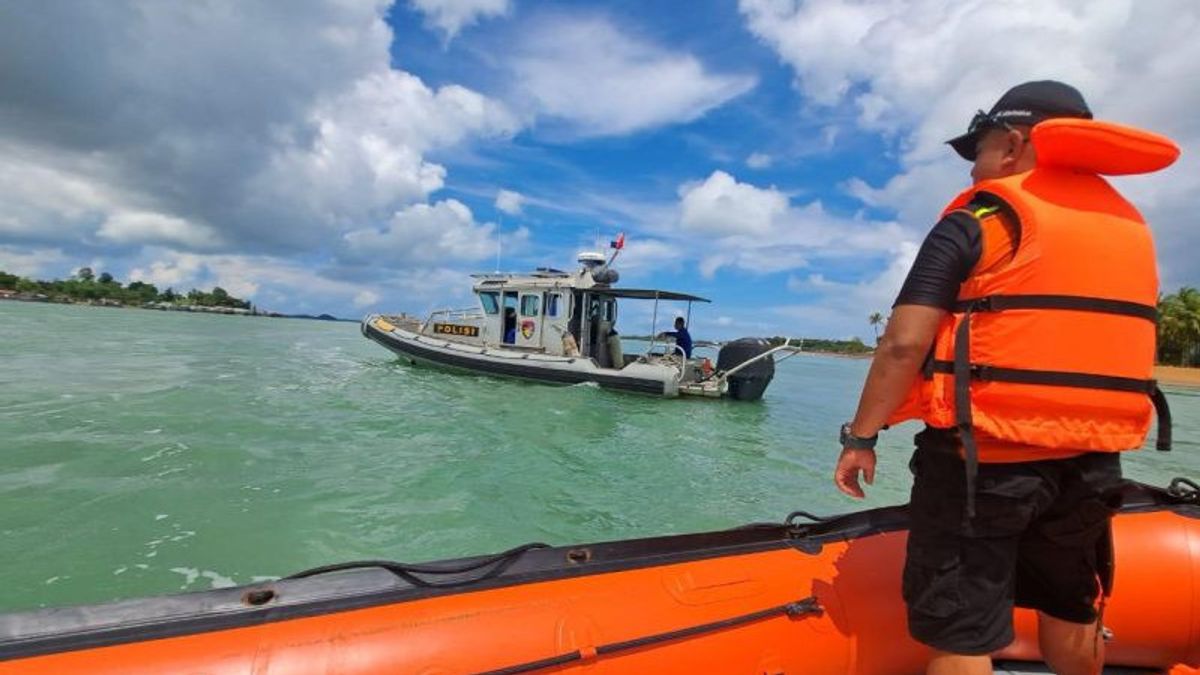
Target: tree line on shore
1179	328
86	286
853	347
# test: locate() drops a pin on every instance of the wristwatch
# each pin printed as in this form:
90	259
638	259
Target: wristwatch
849	440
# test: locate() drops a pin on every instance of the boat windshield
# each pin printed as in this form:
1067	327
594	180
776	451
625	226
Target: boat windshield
491	302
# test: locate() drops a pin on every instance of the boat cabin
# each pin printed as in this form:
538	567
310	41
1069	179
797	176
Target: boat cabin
549	311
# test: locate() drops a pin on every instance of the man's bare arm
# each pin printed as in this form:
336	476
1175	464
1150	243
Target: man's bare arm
909	335
901	352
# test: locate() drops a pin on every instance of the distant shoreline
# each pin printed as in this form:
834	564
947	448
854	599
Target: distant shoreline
840	355
802	344
163	307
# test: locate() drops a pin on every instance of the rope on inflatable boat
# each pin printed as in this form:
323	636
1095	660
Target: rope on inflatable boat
409	571
1185	490
794	516
798	609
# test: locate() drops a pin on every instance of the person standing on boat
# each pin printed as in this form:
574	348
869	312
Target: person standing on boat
1024	338
682	337
510	325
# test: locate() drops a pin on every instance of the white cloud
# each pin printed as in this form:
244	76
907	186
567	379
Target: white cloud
758	160
451	16
915	70
365	298
840	309
425	234
31	263
509	202
178	270
721	222
876	292
45	196
140	227
644	256
400	109
202	126
910	194
367	154
603	80
720	205
759	230
262	279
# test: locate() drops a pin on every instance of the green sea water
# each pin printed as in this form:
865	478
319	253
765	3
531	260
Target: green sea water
145	452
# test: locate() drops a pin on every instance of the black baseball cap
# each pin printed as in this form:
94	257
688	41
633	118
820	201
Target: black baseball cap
1025	104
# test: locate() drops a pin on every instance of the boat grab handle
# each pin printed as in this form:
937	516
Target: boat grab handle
792	610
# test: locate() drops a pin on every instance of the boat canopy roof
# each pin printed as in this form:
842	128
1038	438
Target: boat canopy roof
646	294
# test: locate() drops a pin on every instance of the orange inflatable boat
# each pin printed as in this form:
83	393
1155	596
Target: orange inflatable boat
803	596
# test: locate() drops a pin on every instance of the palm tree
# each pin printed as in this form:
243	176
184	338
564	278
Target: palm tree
876	319
1179	327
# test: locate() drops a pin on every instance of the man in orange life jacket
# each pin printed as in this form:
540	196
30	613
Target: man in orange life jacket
1024	338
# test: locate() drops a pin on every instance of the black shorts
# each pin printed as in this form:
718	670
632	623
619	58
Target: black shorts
1040	538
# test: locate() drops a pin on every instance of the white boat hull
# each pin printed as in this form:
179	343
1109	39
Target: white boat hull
657	379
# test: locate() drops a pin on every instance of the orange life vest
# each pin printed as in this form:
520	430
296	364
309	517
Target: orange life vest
1056	348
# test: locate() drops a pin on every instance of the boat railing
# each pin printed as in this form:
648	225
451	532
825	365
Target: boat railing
787	346
464	314
409	323
682	365
671	350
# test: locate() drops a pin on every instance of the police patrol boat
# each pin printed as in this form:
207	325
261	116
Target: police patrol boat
559	327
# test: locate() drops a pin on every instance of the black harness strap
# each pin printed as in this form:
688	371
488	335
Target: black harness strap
1163	411
1053	378
1067	302
962	405
1057	378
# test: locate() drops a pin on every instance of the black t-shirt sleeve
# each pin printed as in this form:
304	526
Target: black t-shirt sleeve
949	253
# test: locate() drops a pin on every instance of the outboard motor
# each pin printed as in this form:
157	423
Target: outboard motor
749	383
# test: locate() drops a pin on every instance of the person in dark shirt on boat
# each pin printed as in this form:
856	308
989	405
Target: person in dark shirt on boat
682	337
510	326
1011	500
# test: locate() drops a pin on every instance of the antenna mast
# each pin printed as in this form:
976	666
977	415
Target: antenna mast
499	242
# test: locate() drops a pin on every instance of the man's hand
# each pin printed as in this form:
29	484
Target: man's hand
845	476
896	365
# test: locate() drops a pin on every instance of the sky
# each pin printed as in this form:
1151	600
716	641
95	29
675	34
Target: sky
782	157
